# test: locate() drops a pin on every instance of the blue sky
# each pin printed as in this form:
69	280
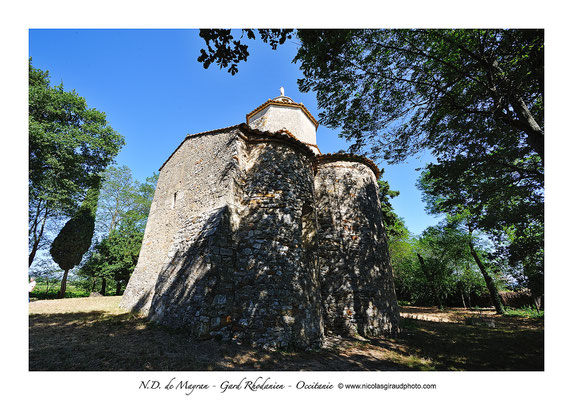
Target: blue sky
154	92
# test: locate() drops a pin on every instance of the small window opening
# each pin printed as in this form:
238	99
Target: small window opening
174	200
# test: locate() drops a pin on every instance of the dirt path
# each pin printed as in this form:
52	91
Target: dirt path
461	316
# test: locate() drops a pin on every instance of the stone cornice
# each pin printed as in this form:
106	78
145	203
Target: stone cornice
282	104
333	157
294	137
287	137
283	135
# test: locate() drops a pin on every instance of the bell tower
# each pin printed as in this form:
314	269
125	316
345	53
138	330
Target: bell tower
283	114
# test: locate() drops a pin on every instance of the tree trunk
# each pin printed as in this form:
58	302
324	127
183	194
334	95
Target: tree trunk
63	286
103	286
496	300
430	281
117	288
37	238
535	137
33	252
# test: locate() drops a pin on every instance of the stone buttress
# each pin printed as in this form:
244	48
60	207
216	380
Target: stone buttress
277	294
357	286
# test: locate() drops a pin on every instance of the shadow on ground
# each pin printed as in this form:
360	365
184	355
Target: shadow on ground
97	341
101	341
454	346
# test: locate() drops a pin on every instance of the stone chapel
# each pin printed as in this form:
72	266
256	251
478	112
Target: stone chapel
256	237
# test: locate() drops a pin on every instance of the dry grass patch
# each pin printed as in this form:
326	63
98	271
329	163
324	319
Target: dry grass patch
108	305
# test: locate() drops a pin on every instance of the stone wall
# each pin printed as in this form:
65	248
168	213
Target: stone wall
357	286
196	179
193	288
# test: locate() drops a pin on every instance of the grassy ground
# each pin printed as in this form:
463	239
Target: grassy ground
93	334
73	290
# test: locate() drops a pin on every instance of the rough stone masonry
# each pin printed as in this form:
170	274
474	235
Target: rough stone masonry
256	237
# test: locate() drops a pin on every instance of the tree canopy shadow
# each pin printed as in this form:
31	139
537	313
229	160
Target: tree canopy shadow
99	341
103	341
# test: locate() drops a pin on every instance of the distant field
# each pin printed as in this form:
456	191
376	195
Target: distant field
72	290
93	334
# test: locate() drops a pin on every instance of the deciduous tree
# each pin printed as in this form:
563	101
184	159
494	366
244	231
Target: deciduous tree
70	144
399	91
115	257
122	216
223	49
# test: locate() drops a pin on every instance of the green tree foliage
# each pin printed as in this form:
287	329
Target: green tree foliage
495	201
436	267
441	252
89	271
117	197
403	90
144	198
115	257
121	197
486	262
121	219
393	224
452	91
75	238
403	262
70	144
223	49
525	254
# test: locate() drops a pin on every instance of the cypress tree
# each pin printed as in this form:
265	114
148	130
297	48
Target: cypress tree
75	238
